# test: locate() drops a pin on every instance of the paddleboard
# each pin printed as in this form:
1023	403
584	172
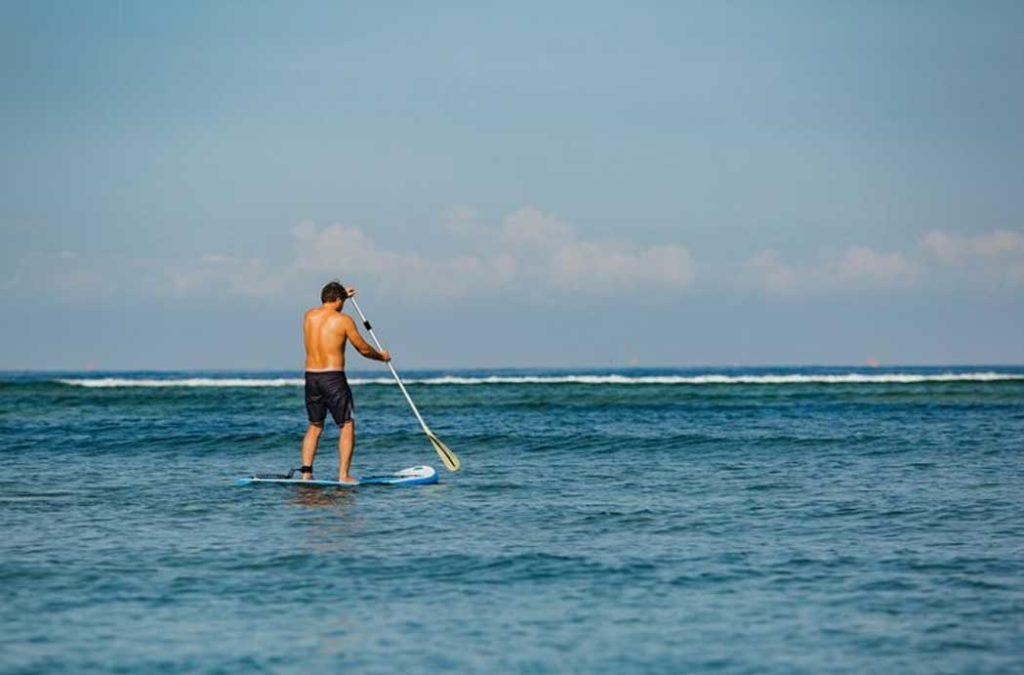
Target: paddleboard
414	475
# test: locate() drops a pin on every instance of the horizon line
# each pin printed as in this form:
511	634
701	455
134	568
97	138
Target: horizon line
101	371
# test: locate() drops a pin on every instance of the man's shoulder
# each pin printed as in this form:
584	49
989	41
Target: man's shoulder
338	319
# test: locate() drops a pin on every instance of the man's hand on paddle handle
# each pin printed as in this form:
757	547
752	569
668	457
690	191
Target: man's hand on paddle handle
349	292
385	356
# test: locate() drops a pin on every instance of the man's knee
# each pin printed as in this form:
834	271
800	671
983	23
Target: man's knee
348	426
316	428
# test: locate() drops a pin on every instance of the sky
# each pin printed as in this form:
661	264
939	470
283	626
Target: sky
513	184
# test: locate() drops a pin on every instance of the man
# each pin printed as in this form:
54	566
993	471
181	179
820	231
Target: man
326	331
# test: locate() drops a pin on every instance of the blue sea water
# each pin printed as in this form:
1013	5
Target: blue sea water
775	520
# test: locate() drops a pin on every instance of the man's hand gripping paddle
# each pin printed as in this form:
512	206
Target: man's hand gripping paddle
451	461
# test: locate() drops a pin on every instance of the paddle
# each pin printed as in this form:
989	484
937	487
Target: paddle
451	461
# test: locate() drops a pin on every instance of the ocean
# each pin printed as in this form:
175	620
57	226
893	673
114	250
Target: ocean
742	520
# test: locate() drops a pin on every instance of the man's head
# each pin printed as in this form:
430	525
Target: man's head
333	292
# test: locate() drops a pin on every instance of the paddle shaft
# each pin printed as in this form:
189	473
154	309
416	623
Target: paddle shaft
394	372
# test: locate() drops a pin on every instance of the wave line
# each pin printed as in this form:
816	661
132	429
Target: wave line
846	378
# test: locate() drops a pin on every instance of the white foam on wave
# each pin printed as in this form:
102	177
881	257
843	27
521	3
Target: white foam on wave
844	378
105	382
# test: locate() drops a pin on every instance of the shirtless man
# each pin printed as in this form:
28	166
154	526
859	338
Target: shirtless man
326	331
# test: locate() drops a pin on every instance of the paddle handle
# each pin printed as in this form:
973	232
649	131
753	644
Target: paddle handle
394	372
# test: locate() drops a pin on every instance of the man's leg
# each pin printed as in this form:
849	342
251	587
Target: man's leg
346	446
309	444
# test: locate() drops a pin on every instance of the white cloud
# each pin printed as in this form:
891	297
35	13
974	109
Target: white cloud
945	247
992	257
998	254
463	221
529	248
534	252
530	228
770	273
864	264
550	251
339	248
999	243
858	267
222	273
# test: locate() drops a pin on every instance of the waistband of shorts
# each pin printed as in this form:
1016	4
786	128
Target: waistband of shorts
317	373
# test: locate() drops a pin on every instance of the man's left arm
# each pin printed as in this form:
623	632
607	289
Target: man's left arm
361	345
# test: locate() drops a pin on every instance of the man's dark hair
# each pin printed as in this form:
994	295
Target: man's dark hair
332	291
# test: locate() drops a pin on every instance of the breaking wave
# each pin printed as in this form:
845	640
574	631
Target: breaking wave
845	378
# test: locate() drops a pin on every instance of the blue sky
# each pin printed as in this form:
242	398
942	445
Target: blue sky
513	184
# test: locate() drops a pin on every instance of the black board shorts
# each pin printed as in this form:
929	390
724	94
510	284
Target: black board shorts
328	391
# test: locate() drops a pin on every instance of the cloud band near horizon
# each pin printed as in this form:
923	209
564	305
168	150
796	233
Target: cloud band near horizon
533	253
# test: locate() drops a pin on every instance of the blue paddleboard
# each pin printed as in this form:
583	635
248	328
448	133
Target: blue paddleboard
414	475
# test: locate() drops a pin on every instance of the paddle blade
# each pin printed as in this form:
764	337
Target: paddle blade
451	461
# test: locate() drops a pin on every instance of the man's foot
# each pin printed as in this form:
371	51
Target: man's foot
307	476
348	480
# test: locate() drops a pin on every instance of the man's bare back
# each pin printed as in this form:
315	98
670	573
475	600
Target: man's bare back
326	331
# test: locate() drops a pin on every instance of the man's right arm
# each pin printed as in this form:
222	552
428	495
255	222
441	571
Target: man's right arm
361	345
